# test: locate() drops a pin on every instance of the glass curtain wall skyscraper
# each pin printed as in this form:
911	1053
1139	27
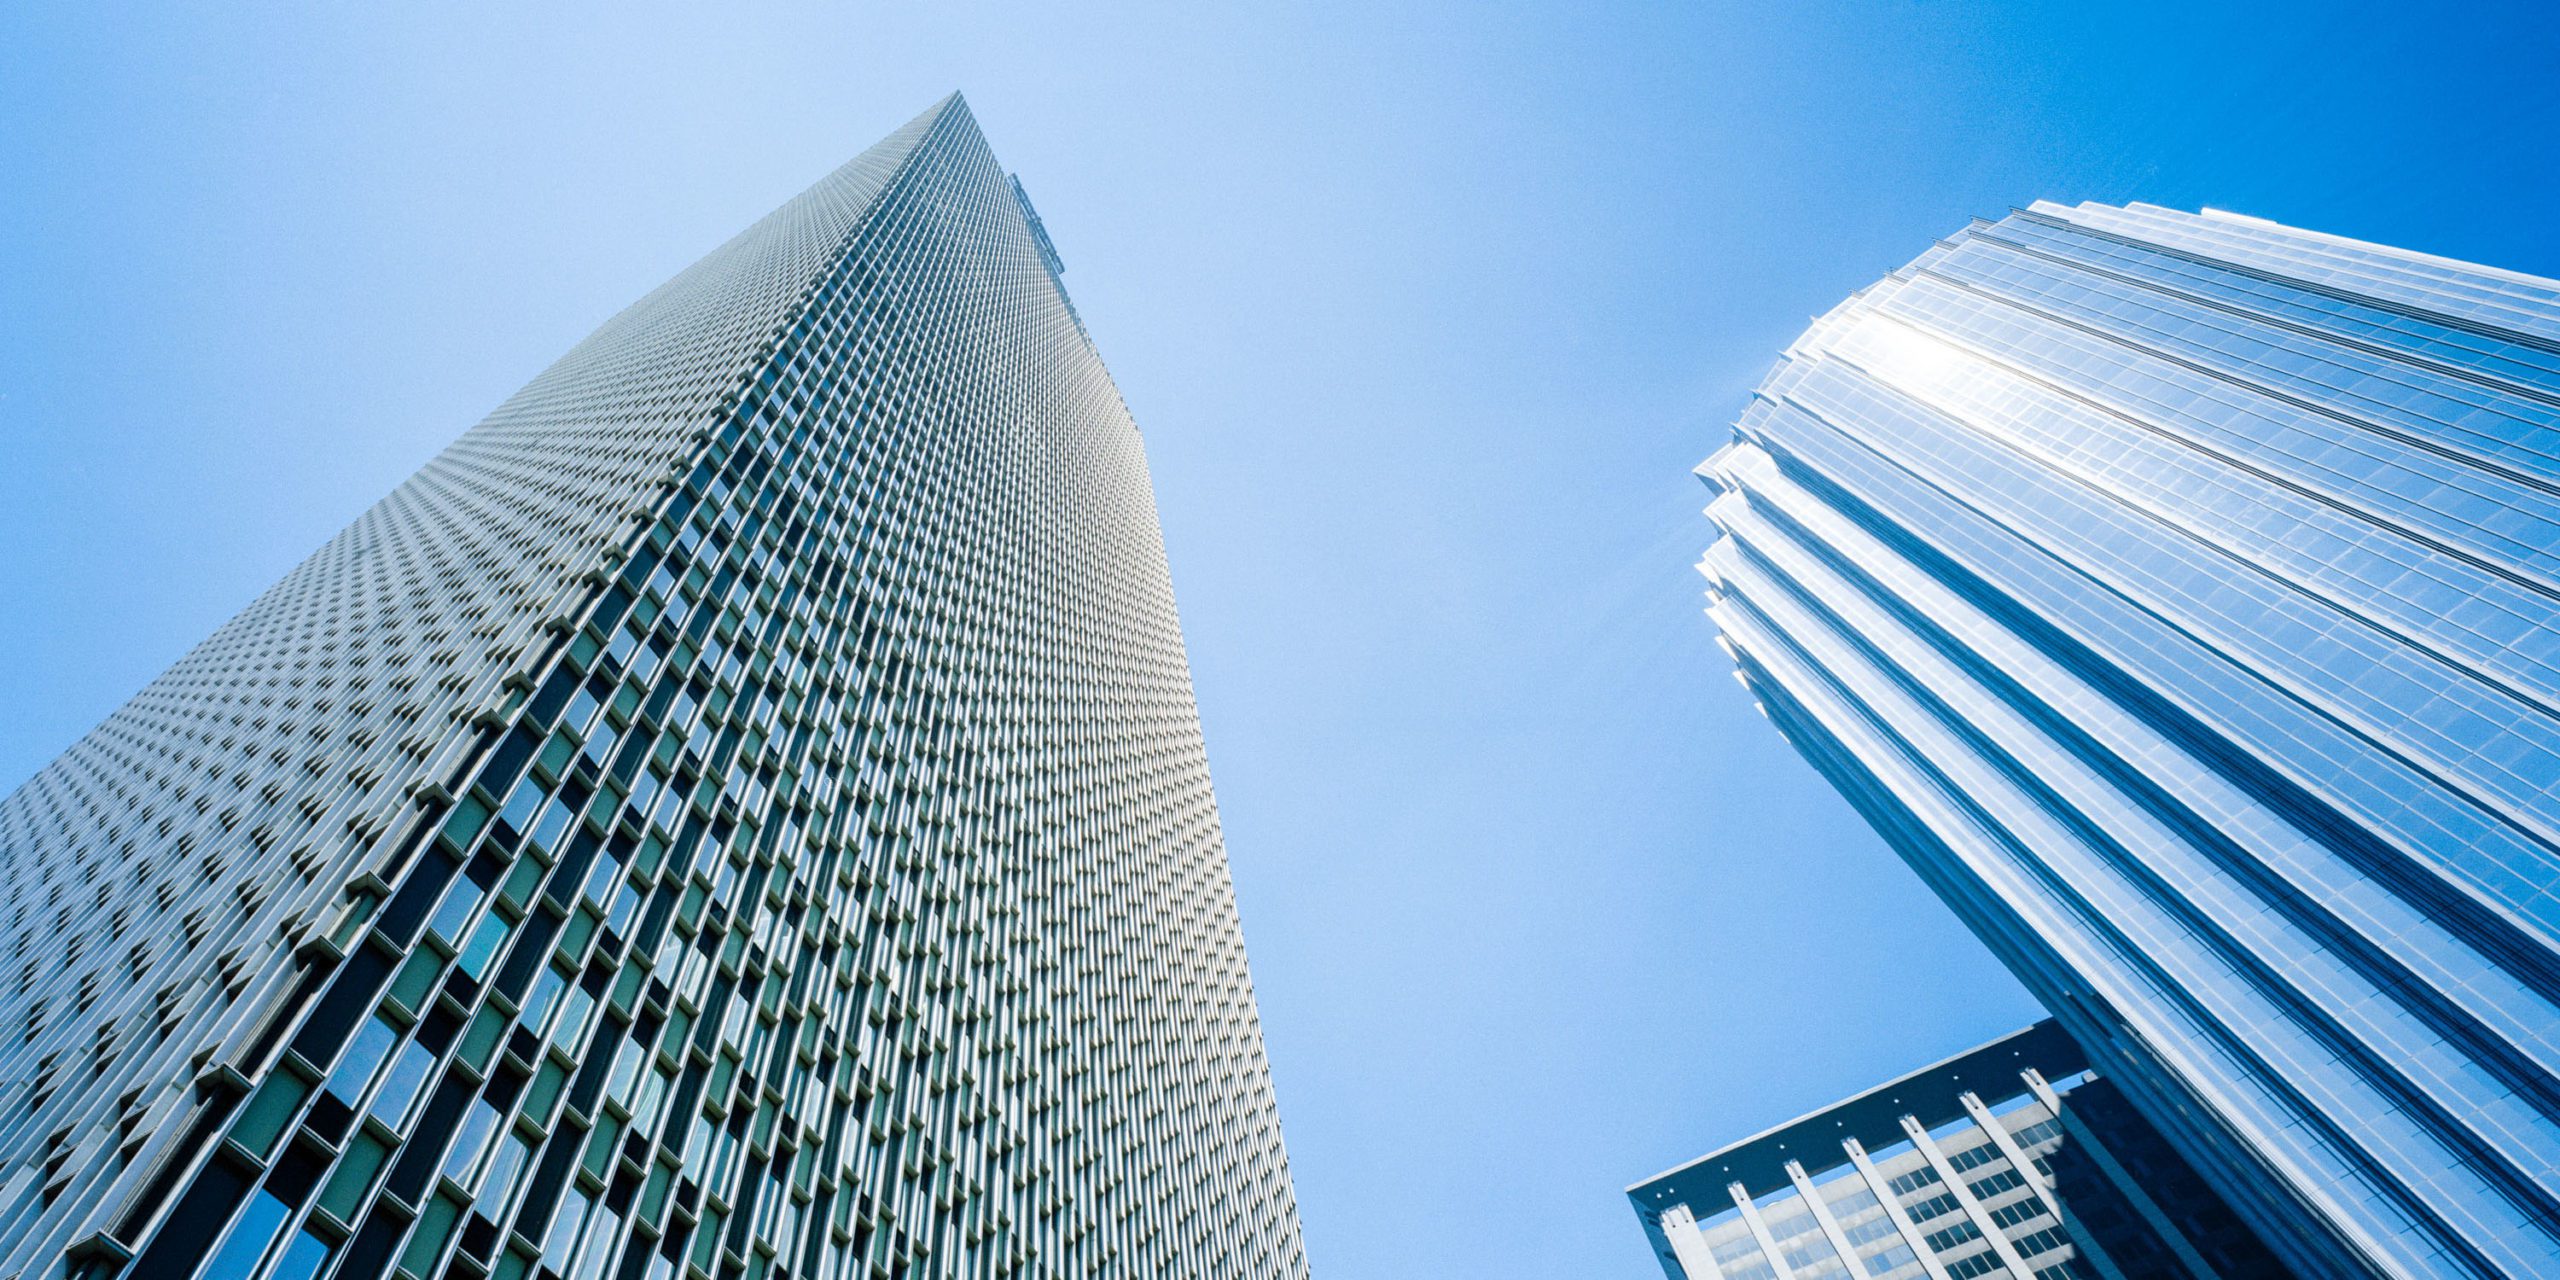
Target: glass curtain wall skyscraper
739	811
2180	595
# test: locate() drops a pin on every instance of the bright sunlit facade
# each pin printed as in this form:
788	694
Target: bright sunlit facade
2180	594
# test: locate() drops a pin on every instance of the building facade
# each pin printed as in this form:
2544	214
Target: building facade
737	812
2180	595
2010	1158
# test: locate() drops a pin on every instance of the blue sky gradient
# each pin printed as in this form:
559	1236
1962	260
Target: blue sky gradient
1426	311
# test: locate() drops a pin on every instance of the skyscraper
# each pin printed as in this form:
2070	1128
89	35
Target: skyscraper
2010	1156
738	811
2178	594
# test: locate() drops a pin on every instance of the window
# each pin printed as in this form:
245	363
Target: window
249	1238
355	1070
1966	1268
1741	1246
1884	1260
519	808
483	946
2045	1241
470	1141
302	1259
2010	1215
563	1235
547	828
2040	1131
498	1181
583	706
538	1003
1791	1226
455	912
1875	1228
401	1088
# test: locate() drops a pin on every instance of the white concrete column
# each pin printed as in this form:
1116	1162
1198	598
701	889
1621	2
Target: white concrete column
1831	1231
1759	1230
1972	1204
1882	1190
2037	1184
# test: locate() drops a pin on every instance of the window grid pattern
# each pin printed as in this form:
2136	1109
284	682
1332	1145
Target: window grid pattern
738	812
2177	593
1893	1216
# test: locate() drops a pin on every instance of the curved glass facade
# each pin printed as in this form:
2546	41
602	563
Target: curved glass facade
736	813
2180	594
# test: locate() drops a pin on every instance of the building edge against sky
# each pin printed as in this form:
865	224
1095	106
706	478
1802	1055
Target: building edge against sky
739	806
2009	1155
2176	593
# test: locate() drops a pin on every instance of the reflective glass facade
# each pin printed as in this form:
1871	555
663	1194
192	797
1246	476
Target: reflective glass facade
2180	594
738	812
2011	1159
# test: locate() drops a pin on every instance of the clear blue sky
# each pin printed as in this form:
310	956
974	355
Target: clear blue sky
1426	311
